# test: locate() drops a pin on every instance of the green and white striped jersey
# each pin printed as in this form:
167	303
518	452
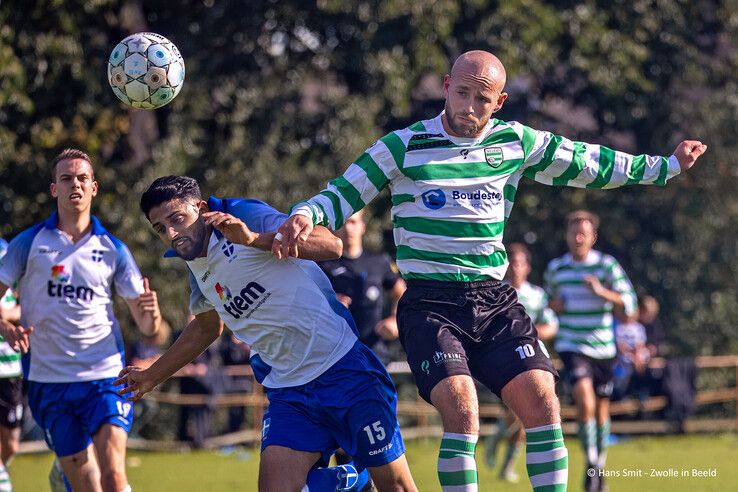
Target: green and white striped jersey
586	324
535	301
452	196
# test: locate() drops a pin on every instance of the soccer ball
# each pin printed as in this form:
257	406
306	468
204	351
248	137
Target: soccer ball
146	70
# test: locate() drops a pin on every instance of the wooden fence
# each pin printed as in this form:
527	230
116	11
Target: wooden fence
422	414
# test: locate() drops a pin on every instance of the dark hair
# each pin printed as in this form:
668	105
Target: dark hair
69	154
583	216
520	248
169	188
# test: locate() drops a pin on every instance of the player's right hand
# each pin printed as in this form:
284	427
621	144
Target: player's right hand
15	336
292	233
134	380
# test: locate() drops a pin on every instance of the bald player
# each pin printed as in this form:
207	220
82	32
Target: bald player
453	181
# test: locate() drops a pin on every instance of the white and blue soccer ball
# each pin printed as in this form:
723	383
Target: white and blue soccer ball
146	71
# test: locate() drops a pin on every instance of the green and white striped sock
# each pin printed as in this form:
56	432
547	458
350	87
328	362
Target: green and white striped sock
546	458
457	467
5	485
603	437
588	436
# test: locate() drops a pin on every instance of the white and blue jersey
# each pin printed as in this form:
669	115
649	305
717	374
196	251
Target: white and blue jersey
285	310
326	389
65	290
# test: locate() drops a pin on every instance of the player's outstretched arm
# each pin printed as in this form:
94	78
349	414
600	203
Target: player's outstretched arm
555	160
195	338
145	310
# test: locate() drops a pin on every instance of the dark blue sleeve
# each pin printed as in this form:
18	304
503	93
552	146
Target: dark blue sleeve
257	215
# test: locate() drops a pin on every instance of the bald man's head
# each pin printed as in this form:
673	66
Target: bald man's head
483	66
473	92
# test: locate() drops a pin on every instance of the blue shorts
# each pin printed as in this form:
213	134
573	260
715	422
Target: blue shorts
352	405
70	413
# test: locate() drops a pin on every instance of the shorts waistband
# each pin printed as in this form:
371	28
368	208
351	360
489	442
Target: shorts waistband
451	285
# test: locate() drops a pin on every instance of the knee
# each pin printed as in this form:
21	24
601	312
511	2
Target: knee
546	411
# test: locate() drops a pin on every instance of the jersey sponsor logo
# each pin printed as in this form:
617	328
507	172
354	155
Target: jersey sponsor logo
494	156
434	199
58	274
246	302
58	286
45	250
477	196
465	153
425	366
224	293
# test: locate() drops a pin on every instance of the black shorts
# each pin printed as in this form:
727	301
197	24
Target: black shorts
11	402
477	329
578	366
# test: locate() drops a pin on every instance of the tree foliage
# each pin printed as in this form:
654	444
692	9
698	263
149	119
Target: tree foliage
280	96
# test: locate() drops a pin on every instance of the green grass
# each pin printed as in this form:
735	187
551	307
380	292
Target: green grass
213	472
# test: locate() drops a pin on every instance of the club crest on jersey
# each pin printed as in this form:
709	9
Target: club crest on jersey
228	248
494	156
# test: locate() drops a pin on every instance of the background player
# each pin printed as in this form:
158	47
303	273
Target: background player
587	288
66	268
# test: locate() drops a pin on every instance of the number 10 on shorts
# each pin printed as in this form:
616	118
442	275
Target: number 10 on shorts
375	432
525	351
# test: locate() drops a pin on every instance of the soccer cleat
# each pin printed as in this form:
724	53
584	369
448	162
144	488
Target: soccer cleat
509	476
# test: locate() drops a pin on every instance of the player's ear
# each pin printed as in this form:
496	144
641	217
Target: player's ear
94	188
52	189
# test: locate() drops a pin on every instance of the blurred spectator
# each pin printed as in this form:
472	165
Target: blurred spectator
234	352
362	280
202	376
648	312
535	301
631	367
143	353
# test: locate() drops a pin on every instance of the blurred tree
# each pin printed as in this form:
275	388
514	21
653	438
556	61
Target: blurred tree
280	96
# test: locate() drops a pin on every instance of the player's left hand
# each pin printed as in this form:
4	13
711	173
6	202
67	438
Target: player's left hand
232	228
149	303
594	284
134	380
687	153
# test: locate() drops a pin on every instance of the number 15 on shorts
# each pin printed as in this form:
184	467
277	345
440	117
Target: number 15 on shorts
375	432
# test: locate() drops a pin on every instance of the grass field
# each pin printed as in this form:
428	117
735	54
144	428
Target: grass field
236	471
